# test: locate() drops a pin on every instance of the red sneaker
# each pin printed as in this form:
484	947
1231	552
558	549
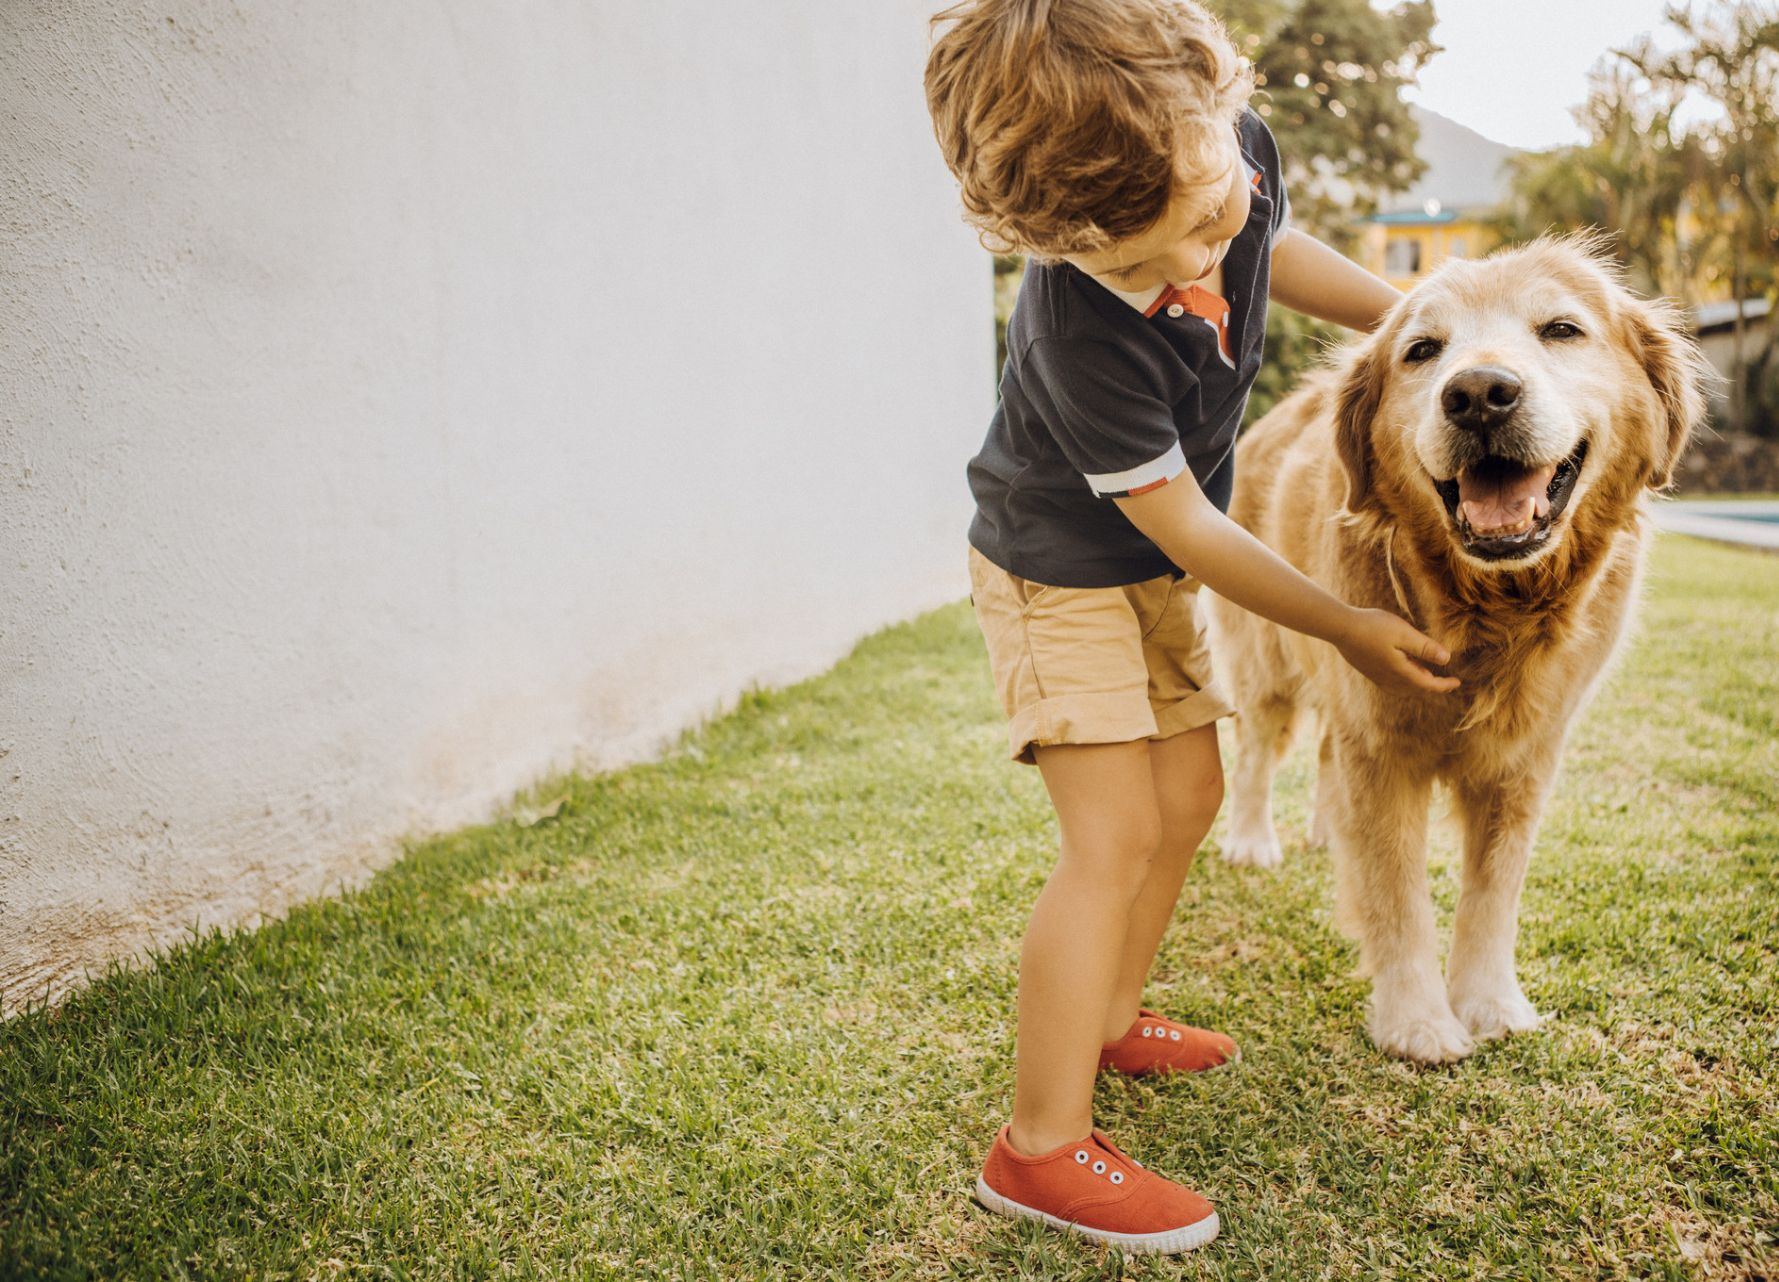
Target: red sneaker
1157	1044
1092	1187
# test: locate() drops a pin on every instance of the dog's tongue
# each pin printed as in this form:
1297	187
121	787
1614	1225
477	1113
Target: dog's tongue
1501	497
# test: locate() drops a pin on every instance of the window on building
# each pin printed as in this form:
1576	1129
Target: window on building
1403	257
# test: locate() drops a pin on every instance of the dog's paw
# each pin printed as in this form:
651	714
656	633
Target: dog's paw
1426	1037
1253	850
1489	1016
1321	832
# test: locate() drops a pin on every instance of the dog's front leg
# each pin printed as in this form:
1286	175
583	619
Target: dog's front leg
1500	817
1380	847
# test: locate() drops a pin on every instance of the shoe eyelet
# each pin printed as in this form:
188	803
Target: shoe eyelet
1175	1034
1080	1157
1099	1168
1147	1032
1117	1177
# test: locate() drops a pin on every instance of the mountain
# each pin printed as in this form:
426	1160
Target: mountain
1464	169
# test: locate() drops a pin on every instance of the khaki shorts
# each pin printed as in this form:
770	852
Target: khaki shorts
1094	665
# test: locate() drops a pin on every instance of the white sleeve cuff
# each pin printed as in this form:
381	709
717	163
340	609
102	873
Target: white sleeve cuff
1140	479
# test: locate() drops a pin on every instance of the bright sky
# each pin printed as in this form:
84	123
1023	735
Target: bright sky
1512	68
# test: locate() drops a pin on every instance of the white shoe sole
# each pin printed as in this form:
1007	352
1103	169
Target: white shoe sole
1167	1242
1182	1072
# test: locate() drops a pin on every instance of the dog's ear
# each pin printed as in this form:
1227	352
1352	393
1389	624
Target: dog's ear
1677	370
1356	400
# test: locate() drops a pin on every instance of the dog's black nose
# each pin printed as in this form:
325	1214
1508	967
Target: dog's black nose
1480	398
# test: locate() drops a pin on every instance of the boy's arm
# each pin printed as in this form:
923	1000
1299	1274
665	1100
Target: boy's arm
1187	526
1309	277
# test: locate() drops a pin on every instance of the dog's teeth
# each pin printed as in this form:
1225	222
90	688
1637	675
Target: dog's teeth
1505	531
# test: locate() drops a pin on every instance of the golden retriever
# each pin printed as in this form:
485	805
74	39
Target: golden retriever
1479	464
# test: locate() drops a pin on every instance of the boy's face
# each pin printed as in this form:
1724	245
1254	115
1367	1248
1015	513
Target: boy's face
1186	242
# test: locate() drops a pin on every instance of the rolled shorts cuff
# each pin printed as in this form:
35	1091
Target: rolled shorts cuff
1116	716
1199	708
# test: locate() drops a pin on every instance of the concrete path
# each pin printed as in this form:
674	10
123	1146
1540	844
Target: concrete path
1751	522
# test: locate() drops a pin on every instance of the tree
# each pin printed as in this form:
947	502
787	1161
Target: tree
1731	56
1631	179
1331	75
1690	206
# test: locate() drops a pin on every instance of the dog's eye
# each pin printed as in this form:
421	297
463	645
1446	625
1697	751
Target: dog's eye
1560	330
1422	349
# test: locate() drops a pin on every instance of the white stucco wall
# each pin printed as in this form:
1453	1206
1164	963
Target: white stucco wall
398	402
1719	346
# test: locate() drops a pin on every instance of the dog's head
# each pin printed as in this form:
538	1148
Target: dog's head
1506	395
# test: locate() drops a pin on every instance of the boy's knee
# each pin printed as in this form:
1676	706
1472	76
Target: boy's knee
1206	798
1140	838
1120	851
1191	812
1148	839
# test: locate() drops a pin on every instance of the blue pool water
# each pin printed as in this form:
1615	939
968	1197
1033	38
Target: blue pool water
1751	523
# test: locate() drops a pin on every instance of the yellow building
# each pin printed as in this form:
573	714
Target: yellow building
1444	215
1403	246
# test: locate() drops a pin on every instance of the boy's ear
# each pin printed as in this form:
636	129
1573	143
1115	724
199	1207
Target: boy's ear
1677	370
1356	400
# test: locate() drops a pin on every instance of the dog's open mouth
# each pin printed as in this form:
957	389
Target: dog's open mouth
1503	508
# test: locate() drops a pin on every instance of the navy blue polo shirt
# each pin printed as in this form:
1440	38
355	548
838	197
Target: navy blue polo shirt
1106	394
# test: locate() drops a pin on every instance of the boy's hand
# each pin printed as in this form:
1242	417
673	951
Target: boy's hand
1393	653
1238	567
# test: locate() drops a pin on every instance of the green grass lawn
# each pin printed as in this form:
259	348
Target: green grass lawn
747	1013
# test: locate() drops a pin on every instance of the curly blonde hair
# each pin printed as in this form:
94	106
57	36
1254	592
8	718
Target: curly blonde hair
1069	124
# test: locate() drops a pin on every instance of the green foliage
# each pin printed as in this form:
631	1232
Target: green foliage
1295	344
1691	209
1009	271
1631	180
1331	74
747	1013
1730	57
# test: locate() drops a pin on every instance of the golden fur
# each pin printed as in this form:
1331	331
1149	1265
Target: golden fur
1340	479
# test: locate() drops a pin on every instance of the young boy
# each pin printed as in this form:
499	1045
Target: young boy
1110	141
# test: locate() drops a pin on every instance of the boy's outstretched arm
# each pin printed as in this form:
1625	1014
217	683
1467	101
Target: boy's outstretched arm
1309	277
1187	526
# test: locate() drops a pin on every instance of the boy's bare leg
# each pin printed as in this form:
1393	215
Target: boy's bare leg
1188	774
1110	822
